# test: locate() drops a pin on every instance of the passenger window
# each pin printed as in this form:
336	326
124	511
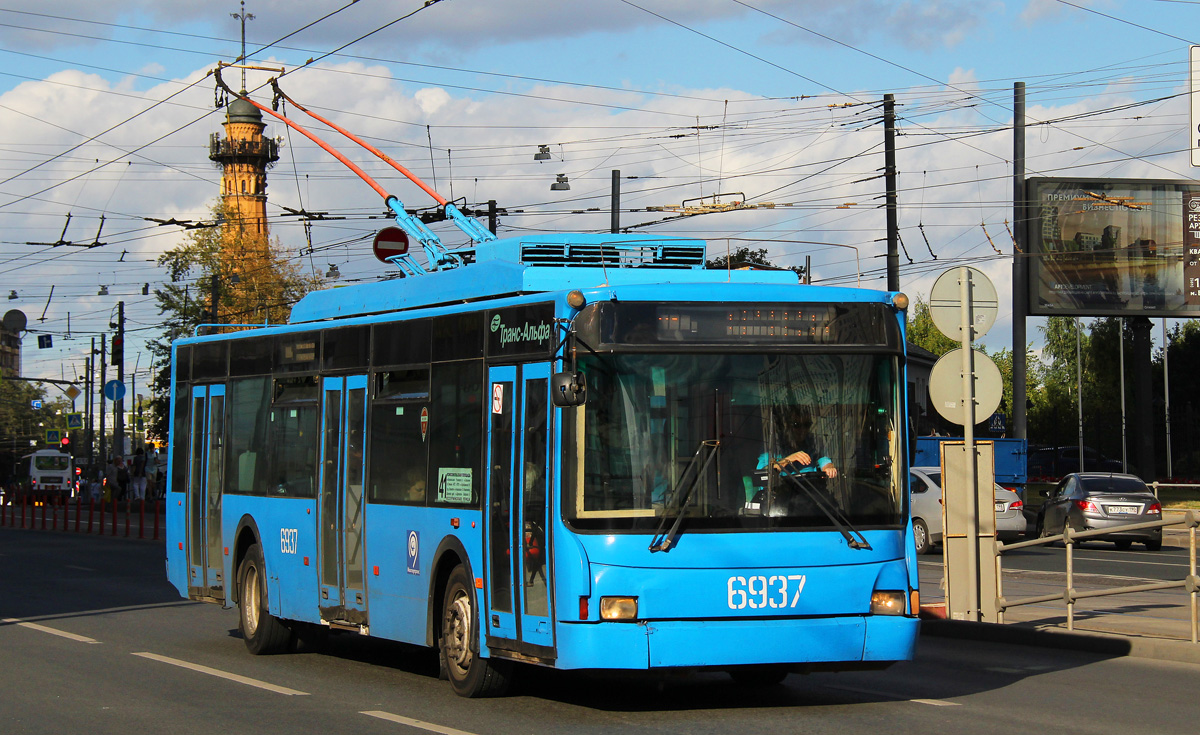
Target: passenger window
345	349
294	423
248	430
399	445
456	433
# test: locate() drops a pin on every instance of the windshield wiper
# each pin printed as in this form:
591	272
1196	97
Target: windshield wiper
833	513
661	541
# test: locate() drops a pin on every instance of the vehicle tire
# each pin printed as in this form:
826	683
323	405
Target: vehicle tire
1153	545
263	632
759	676
470	674
1044	532
1123	545
921	536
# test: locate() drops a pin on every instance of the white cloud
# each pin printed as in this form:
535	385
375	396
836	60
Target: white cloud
772	150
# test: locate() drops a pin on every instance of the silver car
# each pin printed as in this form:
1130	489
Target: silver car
1102	500
925	492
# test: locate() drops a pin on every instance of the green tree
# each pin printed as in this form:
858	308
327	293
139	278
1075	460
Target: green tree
23	427
1053	417
255	282
923	333
744	256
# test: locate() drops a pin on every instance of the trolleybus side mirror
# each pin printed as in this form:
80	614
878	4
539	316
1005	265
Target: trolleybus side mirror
568	389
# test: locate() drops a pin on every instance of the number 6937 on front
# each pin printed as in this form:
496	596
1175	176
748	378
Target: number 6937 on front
765	592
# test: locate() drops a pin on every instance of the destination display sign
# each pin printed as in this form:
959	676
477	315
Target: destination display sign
521	330
649	324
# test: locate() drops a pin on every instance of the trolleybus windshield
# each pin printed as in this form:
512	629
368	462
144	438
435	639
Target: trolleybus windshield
647	414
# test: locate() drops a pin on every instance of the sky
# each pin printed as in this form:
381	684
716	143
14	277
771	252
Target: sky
106	110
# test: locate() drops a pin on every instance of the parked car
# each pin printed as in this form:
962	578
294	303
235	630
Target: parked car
1102	500
925	493
1061	461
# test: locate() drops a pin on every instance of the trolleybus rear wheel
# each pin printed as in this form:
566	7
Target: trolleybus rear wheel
470	675
263	632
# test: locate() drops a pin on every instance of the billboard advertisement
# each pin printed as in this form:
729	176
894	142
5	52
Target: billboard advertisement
1113	247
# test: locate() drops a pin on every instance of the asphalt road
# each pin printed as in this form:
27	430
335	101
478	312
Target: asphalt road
1170	562
93	640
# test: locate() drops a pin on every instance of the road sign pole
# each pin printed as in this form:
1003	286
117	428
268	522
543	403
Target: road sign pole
966	333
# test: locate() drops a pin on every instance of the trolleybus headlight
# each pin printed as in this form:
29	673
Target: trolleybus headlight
887	602
900	301
575	299
618	608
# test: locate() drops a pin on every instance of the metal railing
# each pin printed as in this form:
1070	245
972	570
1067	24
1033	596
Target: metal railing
1154	486
1069	537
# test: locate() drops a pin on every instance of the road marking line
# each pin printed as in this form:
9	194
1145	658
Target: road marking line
415	723
221	674
51	631
892	695
82	569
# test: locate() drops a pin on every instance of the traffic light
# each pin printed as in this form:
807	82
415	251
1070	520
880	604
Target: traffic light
65	441
118	349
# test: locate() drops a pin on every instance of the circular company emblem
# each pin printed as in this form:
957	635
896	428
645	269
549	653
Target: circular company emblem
412	543
1193	204
495	322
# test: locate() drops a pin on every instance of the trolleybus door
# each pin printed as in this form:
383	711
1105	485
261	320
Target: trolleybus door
533	563
206	480
340	512
499	528
518	507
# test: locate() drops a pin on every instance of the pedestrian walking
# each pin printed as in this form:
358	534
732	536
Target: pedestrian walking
137	476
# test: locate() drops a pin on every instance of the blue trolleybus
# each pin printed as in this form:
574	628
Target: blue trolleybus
577	451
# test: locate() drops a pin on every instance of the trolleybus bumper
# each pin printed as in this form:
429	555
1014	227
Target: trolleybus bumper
692	643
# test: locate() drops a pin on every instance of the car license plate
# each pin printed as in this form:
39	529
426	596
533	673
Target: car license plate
1121	510
999	506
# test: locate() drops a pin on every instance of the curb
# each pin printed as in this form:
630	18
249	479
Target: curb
1109	645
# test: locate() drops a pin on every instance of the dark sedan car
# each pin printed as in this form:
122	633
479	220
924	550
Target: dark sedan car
1102	500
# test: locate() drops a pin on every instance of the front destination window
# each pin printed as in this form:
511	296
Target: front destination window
735	441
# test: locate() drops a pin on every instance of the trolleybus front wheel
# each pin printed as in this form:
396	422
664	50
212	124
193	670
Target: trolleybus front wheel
263	632
470	675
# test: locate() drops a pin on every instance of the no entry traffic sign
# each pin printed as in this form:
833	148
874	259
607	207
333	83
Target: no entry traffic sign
390	242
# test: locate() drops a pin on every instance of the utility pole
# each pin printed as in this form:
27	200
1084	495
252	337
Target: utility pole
615	220
90	386
889	174
492	216
1020	266
118	358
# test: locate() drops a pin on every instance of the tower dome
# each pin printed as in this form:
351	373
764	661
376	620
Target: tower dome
241	111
